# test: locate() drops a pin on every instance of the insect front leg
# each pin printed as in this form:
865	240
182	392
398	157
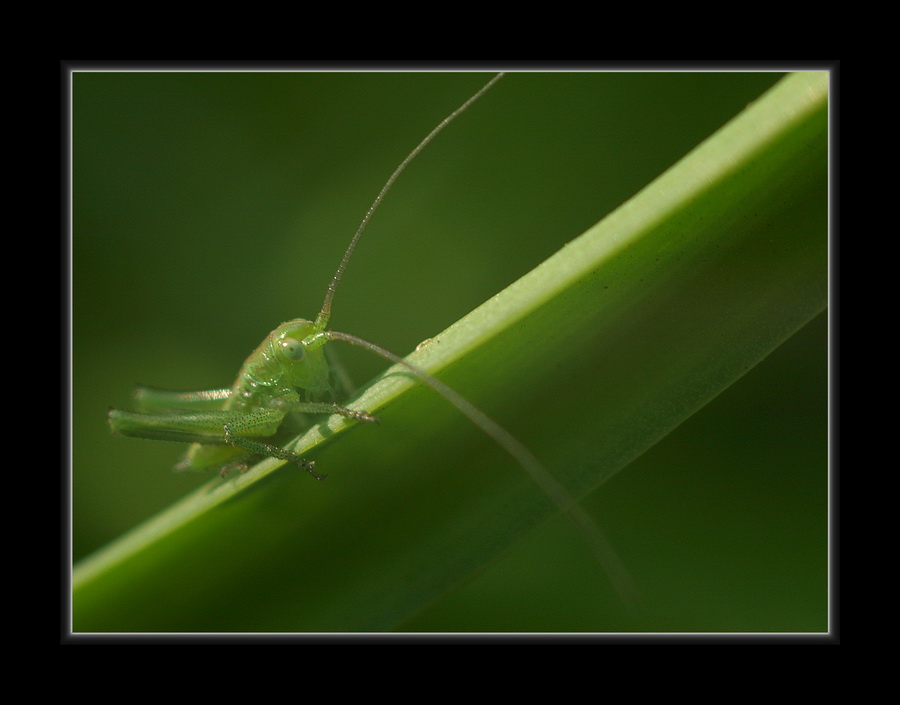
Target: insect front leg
316	407
244	432
293	402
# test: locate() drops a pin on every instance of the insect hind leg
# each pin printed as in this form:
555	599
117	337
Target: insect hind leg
150	399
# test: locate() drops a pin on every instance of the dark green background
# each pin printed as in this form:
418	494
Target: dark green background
209	207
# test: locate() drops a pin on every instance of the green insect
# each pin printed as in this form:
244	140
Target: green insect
288	377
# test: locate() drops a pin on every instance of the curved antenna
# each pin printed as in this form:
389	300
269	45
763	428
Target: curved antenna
325	313
557	493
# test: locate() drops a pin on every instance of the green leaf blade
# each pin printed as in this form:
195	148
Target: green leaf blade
650	314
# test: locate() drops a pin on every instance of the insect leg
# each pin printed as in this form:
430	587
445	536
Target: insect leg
204	427
264	423
317	407
148	399
293	402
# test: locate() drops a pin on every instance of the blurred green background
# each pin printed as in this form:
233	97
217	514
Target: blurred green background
209	207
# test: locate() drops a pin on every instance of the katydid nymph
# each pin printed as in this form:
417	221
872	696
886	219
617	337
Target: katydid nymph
287	380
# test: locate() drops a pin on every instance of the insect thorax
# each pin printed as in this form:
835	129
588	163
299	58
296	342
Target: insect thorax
268	374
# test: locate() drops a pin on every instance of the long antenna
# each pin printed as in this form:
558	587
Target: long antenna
557	493
325	313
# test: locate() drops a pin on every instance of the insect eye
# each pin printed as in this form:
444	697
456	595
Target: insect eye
292	349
